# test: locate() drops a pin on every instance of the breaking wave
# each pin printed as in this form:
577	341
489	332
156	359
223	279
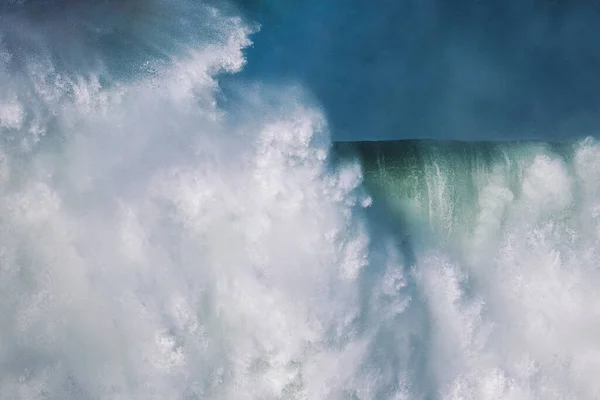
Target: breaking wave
160	240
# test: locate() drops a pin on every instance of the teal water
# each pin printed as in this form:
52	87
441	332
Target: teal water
439	183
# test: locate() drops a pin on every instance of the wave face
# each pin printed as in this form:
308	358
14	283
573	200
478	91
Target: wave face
162	237
504	239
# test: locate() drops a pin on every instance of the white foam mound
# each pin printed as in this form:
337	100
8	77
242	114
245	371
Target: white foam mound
152	248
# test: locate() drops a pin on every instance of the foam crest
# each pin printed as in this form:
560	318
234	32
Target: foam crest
522	317
154	247
503	239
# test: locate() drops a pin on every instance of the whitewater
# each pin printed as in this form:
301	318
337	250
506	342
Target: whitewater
170	232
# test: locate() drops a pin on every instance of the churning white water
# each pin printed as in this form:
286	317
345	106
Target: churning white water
156	243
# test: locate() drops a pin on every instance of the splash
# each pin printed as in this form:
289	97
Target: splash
154	246
505	245
159	240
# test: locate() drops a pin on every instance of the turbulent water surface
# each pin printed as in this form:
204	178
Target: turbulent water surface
177	223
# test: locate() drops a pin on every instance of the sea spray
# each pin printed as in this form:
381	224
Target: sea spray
161	238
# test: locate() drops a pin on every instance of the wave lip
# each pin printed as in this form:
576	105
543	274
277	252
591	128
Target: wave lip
441	183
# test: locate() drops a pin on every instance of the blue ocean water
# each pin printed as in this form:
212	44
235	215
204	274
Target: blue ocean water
196	201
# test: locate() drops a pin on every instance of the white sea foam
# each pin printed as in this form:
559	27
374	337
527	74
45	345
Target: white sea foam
153	249
157	245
